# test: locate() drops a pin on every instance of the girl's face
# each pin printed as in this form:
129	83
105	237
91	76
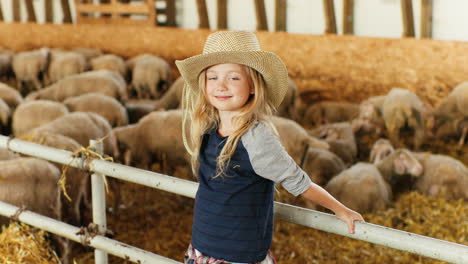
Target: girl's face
228	87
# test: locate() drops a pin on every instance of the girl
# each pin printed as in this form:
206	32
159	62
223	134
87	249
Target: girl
231	91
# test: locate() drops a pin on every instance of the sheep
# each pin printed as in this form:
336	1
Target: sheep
361	188
30	115
6	59
370	115
380	150
367	187
295	138
403	108
11	96
139	108
329	112
81	127
340	138
151	76
65	64
103	105
109	62
172	98
88	53
5	114
6	154
287	108
155	135
32	184
31	66
77	180
102	81
321	165
443	176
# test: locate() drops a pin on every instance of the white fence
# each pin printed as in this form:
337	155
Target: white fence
422	245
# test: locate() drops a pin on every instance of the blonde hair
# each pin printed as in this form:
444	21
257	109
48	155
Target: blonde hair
200	116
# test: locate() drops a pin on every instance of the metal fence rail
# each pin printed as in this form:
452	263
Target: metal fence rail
393	238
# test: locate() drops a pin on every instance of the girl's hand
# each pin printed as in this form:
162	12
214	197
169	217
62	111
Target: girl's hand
349	216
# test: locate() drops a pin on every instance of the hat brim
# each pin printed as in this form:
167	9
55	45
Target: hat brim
268	64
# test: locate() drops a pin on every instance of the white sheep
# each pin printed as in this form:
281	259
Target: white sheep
10	95
403	108
64	64
106	106
443	176
31	66
329	112
321	165
109	62
380	150
103	81
32	114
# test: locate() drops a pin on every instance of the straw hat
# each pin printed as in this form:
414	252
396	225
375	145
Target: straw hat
239	47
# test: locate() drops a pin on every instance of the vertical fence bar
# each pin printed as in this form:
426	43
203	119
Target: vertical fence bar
49	11
30	10
426	18
67	18
203	20
280	15
348	17
99	204
16	11
171	13
408	19
1	12
260	13
222	14
330	19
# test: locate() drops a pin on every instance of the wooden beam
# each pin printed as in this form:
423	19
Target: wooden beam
260	13
1	12
112	8
30	11
171	13
67	18
426	18
203	20
16	11
330	20
49	11
222	14
348	17
280	15
408	19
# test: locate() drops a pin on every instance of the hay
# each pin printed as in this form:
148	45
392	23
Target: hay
20	243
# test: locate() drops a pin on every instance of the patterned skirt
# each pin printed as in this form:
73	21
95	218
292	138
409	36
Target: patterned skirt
193	256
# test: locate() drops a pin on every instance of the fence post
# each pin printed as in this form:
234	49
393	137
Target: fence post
99	204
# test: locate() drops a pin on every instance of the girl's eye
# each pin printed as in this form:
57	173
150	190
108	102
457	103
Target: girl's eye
234	78
212	78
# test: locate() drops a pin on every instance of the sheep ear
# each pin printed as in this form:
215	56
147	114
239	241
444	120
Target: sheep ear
399	166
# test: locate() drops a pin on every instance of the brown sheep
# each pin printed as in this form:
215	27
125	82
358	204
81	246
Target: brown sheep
138	108
64	64
6	59
151	76
443	176
321	165
32	183
11	96
6	154
380	150
109	62
32	114
295	138
156	135
31	66
103	105
103	82
81	127
403	108
340	138
77	180
172	98
329	112
361	188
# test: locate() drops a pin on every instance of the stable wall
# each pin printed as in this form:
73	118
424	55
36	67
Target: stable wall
324	67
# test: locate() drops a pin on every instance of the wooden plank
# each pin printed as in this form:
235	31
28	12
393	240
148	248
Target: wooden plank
280	15
114	20
203	20
348	17
408	19
171	13
16	11
152	15
330	20
260	13
426	18
67	18
113	8
30	11
49	11
222	14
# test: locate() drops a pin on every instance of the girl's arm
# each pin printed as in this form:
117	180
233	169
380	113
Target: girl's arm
320	196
